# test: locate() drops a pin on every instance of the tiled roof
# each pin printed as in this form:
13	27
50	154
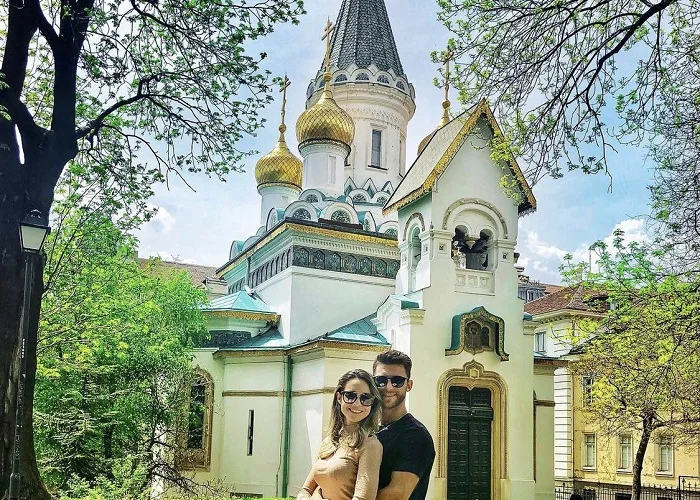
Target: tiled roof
549	288
361	331
363	36
239	301
271	339
439	153
577	299
197	273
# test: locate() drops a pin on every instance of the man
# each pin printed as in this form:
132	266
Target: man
408	447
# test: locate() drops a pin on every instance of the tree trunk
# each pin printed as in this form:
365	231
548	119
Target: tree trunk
647	428
13	206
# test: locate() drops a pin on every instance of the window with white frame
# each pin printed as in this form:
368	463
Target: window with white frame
376	160
541	342
589	451
625	452
665	455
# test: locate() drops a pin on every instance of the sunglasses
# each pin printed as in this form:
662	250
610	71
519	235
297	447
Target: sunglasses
396	381
351	396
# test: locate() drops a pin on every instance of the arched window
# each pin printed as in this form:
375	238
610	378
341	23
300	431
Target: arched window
472	252
341	78
400	86
414	256
383	79
301	213
341	216
194	442
312	198
362	77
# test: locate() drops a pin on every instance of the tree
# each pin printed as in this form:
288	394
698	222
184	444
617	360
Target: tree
570	80
644	355
131	92
113	356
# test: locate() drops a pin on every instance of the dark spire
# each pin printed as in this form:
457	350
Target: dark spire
363	36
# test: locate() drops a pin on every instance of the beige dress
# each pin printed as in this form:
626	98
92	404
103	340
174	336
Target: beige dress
346	475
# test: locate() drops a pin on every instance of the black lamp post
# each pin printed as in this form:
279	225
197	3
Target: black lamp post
32	234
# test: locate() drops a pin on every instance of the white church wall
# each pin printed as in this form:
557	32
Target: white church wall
324	168
277	294
275	196
469	193
376	107
252	384
325	300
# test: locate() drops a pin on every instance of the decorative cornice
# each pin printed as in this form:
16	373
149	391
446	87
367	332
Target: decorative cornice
304	229
304	348
272	318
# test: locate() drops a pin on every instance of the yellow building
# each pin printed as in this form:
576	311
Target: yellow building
585	457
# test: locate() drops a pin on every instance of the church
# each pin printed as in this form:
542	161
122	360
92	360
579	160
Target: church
358	252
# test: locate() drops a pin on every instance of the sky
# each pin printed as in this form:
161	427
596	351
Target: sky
573	212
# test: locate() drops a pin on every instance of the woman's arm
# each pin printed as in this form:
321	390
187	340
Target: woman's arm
309	487
368	470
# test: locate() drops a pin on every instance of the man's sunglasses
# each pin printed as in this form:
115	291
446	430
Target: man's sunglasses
351	396
396	381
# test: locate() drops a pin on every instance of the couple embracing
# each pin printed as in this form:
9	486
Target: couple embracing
375	449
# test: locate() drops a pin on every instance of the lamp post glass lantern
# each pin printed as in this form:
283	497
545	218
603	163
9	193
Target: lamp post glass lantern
32	234
33	231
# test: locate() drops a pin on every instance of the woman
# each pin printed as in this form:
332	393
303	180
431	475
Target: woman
348	462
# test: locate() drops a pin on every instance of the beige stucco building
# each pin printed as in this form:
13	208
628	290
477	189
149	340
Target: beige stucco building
585	457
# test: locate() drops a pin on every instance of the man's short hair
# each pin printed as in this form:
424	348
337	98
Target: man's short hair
393	357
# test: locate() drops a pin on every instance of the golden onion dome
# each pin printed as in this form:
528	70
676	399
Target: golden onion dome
279	166
325	120
443	121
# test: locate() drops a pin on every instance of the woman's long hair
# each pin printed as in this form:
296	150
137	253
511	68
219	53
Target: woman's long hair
365	428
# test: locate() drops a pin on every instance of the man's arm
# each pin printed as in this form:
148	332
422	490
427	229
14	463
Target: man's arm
400	488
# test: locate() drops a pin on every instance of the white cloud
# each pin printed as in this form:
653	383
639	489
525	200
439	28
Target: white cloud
542	259
163	221
168	257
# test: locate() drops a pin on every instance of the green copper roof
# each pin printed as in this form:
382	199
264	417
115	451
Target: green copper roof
239	301
269	340
361	331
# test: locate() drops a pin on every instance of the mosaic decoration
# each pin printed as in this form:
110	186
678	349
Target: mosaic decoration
319	260
322	259
312	198
301	213
334	262
341	216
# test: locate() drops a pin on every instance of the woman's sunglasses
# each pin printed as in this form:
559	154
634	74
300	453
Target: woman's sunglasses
351	396
396	381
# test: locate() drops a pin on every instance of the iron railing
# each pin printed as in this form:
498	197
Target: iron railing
688	488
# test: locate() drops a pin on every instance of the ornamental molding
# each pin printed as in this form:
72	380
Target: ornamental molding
377	251
414	216
483	318
475	201
367	113
473	375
